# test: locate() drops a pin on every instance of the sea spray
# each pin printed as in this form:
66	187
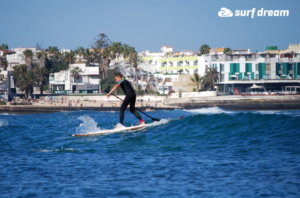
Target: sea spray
89	125
3	123
210	110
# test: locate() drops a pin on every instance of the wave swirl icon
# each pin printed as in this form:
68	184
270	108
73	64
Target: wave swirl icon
224	12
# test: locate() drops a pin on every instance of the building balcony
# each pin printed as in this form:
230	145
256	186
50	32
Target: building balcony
280	72
291	71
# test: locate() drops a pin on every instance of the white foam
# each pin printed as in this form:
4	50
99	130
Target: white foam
210	110
3	123
278	112
59	150
89	125
162	121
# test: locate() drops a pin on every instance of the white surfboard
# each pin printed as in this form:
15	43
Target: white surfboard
132	128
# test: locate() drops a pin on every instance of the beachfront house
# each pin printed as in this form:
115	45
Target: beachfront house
64	81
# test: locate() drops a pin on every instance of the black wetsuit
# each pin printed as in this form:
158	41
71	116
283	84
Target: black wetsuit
129	99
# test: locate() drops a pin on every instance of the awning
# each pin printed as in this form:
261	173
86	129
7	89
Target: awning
254	86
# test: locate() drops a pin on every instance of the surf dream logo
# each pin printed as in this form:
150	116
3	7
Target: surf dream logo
224	12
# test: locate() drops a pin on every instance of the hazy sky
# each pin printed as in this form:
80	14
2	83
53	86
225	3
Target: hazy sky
148	24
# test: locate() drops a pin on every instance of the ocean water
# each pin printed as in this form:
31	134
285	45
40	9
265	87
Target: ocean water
209	153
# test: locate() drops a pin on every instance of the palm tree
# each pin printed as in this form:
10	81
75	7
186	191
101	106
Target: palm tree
116	50
28	58
135	59
227	51
106	57
210	77
204	49
196	80
80	53
52	51
54	54
88	56
69	57
19	71
75	73
42	58
40	76
3	63
27	83
127	50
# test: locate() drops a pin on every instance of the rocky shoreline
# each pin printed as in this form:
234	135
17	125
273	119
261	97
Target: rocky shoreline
237	105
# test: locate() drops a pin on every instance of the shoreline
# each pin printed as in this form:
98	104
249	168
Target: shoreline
236	105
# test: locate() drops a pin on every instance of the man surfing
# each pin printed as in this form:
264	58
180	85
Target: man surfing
129	99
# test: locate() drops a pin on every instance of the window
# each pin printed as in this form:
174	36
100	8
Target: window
221	67
256	67
221	77
268	67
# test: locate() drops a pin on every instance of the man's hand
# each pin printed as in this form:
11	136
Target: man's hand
108	95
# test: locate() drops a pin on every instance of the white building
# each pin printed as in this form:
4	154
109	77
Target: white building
64	82
275	70
18	57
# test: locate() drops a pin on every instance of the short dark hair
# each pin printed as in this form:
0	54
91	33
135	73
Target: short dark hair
119	74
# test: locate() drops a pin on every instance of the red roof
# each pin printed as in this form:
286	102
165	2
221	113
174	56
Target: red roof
8	51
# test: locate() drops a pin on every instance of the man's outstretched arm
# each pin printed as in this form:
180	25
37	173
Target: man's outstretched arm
113	89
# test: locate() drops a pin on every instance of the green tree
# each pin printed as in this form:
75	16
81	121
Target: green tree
227	51
28	58
41	77
3	63
80	53
4	47
108	83
75	72
42	56
88	56
210	78
116	49
27	83
19	71
52	51
204	49
135	60
106	57
100	49
69	57
127	50
196	80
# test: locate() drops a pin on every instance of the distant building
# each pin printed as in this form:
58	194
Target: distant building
18	57
276	70
64	82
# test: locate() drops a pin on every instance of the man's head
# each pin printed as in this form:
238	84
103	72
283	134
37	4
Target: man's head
118	77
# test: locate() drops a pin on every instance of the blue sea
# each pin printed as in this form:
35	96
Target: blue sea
209	153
